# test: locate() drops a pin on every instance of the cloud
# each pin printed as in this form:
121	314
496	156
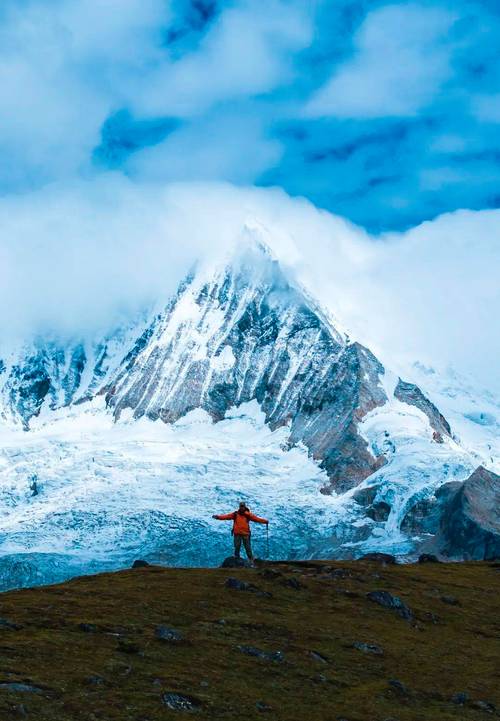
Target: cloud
83	257
227	145
401	59
245	53
348	103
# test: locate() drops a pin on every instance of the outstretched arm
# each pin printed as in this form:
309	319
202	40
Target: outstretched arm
224	516
257	519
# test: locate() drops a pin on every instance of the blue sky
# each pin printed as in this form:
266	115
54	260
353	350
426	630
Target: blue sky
386	113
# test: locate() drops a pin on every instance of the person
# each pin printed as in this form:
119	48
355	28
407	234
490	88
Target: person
241	528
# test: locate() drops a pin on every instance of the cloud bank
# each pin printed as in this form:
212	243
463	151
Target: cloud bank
384	112
82	258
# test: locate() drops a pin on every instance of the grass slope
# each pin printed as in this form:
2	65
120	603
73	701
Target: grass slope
113	667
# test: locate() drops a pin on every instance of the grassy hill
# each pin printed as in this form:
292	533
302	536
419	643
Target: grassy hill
290	641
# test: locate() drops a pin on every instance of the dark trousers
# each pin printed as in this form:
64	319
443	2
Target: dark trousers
246	542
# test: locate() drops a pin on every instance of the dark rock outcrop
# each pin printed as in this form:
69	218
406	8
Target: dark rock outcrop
428	558
259	653
388	600
470	525
167	634
180	702
412	395
379	511
140	564
233	562
386	559
424	516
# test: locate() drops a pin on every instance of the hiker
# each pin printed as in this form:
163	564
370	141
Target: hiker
241	528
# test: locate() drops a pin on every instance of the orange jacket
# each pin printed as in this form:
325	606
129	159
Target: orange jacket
241	521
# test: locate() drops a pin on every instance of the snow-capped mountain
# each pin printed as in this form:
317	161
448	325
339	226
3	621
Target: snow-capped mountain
239	386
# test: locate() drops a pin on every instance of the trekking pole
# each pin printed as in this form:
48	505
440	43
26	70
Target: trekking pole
267	539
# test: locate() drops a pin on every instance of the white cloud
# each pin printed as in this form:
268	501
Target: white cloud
247	52
401	59
224	145
66	65
74	258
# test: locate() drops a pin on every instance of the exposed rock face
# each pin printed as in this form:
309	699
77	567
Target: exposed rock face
460	520
411	394
51	374
425	516
470	525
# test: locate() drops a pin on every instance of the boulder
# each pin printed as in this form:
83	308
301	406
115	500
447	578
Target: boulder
167	635
140	564
17	687
9	625
368	648
388	600
237	585
180	701
386	559
259	653
234	562
428	558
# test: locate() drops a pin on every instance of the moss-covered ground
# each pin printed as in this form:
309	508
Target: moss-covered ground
88	648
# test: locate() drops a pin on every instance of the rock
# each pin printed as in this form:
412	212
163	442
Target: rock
318	656
368	648
234	562
483	706
399	687
320	678
263	707
94	680
413	396
259	653
21	687
293	583
386	559
450	600
428	558
387	600
20	710
180	701
238	585
88	627
140	564
460	698
9	625
424	517
339	574
129	647
168	635
470	525
270	574
379	511
365	496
